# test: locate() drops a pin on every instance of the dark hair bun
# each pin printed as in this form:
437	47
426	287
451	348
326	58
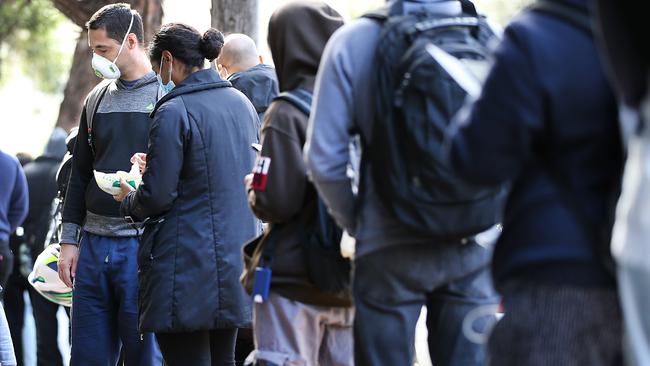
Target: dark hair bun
211	44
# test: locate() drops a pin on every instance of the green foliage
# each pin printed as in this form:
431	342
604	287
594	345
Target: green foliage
502	11
28	40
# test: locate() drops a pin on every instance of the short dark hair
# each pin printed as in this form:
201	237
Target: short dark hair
186	44
115	19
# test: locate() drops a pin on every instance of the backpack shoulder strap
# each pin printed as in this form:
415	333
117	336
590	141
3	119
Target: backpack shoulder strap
92	104
94	98
569	13
396	7
299	98
468	8
380	15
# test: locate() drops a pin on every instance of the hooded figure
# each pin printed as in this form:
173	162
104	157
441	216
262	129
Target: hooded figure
298	34
41	180
297	37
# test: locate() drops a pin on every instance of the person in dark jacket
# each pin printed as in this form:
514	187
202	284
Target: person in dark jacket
41	180
14	203
547	122
298	324
199	152
242	65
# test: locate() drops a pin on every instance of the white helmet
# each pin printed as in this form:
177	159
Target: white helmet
45	277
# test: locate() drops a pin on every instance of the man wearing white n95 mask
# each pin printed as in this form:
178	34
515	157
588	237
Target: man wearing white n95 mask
98	248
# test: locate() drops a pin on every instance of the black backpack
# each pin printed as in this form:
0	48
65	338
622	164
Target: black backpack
416	99
327	269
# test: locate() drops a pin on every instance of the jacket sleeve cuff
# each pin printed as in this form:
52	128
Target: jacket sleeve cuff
70	233
128	207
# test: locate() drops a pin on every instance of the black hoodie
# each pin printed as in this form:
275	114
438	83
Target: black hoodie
298	34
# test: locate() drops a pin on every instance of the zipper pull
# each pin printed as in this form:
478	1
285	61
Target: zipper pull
106	259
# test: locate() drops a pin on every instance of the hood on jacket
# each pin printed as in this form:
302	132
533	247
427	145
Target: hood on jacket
298	33
259	84
56	147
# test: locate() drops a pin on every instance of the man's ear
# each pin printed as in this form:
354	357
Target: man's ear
131	41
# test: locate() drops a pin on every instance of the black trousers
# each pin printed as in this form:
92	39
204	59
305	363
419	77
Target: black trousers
557	324
6	263
244	346
203	348
47	348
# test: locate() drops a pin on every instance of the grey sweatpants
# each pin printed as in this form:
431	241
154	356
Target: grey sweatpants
634	288
290	333
7	355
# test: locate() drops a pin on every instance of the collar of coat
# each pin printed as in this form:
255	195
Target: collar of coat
197	81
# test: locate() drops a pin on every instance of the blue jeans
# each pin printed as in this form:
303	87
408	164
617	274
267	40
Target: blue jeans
391	286
104	315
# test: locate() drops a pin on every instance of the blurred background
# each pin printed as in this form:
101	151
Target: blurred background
45	62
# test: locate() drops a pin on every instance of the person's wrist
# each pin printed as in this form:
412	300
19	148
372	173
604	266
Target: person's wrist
68	243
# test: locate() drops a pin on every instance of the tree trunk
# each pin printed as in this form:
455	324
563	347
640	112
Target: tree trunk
82	79
235	16
152	13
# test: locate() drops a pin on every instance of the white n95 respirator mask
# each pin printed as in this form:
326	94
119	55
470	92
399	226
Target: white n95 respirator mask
106	69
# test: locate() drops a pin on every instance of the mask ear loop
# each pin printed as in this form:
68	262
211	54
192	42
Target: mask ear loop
128	31
162	61
171	63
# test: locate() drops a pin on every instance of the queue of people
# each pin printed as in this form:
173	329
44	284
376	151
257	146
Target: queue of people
460	168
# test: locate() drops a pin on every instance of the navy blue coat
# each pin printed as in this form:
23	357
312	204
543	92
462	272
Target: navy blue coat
190	263
546	106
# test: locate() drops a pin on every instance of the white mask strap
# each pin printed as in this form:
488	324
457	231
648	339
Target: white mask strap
125	37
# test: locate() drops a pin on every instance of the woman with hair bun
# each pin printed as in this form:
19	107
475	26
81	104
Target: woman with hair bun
194	204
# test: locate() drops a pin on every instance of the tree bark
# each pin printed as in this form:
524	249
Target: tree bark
235	16
79	12
82	79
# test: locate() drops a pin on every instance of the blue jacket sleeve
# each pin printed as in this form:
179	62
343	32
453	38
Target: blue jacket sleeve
494	142
327	151
19	200
159	187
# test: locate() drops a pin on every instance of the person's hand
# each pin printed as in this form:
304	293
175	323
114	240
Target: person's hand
248	181
141	160
125	190
67	264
